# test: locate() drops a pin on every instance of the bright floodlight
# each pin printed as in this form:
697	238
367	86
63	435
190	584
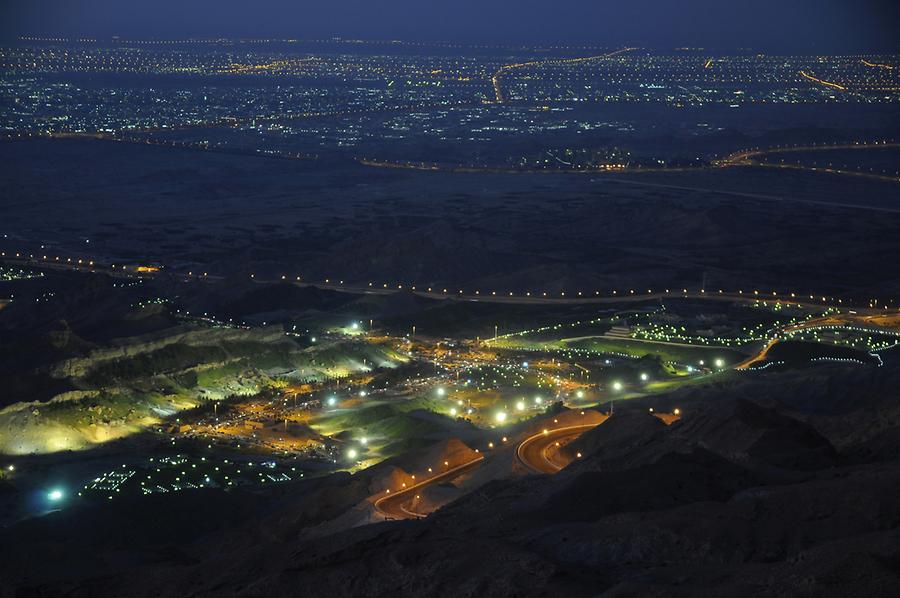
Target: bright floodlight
720	363
453	411
537	400
354	326
55	495
441	391
520	406
501	416
580	394
617	386
644	377
525	364
363	440
351	454
332	401
362	393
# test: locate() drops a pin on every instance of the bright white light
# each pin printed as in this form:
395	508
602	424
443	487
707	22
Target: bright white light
332	401
537	400
441	391
364	440
354	326
701	362
362	393
580	394
313	339
617	386
525	364
55	495
453	411
520	405
500	417
351	454
720	363
644	377
690	369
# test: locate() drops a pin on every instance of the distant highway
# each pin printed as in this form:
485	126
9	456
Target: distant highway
499	98
393	505
633	295
749	158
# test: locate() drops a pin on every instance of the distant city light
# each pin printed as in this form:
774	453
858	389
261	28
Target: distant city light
500	416
55	495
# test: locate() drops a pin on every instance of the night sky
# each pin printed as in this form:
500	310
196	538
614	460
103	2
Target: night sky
807	26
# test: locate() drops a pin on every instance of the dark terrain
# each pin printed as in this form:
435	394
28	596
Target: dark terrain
793	494
739	228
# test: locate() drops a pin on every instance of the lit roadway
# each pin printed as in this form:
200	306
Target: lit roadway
759	357
751	158
540	453
808	301
393	505
495	79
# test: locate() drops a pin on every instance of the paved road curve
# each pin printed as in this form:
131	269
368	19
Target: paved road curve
393	505
537	452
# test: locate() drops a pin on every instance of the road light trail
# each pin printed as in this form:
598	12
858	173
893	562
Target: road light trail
751	158
495	79
830	84
759	357
393	505
533	451
527	299
739	158
877	65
